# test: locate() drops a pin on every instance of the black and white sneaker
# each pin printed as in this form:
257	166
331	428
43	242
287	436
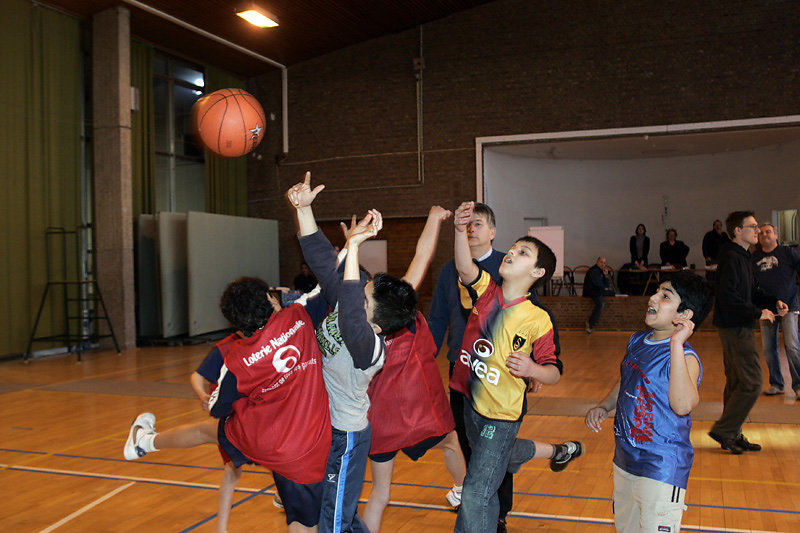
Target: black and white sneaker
565	453
142	424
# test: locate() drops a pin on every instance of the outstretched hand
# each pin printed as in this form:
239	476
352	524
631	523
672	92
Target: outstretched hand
368	227
439	213
345	230
683	330
462	216
302	195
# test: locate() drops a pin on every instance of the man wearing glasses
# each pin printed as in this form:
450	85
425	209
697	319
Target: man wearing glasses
738	304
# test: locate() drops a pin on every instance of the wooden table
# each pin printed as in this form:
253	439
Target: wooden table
654	273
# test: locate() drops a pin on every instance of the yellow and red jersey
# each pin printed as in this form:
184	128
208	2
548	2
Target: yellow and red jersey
495	329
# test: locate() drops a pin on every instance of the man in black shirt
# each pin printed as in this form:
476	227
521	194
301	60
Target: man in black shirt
738	304
712	243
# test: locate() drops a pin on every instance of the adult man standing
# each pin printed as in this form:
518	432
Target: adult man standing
596	284
776	268
738	304
447	315
713	241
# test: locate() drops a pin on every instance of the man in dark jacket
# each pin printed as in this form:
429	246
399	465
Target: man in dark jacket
597	284
713	242
738	304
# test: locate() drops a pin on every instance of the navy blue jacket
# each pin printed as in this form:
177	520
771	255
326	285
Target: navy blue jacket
446	314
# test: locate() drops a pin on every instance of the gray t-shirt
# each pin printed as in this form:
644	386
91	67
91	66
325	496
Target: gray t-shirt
346	384
352	352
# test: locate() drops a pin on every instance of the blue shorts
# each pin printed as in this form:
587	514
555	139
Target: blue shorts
301	502
414	452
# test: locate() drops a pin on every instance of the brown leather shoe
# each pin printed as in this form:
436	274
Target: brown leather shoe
746	445
727	443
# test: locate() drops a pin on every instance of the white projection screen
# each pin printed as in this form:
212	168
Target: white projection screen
221	248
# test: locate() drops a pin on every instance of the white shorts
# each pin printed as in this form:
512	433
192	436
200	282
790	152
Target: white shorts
646	505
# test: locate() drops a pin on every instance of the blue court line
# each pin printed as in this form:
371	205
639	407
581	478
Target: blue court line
399	505
156	463
265	472
234	506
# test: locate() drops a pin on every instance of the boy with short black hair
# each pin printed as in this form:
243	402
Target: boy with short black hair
657	391
272	377
508	341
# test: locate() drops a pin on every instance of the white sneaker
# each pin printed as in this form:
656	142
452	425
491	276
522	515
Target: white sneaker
146	422
453	497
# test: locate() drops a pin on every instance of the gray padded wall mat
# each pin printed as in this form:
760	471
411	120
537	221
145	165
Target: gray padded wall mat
147	278
220	249
171	230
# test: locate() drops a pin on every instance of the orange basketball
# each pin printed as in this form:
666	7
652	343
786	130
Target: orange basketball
229	122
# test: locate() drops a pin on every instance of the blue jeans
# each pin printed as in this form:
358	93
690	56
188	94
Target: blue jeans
344	478
599	304
769	338
492	442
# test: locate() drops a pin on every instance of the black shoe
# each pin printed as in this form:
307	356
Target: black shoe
746	445
564	454
501	525
727	443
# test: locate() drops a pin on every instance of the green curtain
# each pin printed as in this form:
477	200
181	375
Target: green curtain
40	161
226	178
143	147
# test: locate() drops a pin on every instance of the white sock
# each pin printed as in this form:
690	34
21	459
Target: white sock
146	442
457	488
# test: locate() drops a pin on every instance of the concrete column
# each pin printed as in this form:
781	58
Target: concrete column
113	193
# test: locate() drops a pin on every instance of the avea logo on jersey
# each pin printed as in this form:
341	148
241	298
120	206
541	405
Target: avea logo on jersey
482	349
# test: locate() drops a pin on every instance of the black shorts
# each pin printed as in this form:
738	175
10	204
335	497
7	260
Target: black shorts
301	502
227	446
414	452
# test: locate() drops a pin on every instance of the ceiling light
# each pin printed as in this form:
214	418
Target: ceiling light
257	16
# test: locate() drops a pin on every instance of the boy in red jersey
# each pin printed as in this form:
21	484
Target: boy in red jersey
508	341
409	410
272	377
204	381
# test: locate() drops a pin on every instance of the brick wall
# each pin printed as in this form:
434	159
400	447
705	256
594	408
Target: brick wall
620	313
510	67
401	243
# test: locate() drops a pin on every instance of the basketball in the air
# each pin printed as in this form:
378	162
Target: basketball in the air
229	122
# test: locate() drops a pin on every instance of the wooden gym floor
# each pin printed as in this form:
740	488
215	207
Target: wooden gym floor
64	424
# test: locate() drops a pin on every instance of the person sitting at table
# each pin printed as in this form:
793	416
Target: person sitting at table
596	284
673	252
640	247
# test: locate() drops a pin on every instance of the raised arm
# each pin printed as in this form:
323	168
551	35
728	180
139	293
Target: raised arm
317	250
358	334
301	196
467	270
426	246
684	370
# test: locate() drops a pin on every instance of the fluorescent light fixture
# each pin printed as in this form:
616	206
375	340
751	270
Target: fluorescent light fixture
257	16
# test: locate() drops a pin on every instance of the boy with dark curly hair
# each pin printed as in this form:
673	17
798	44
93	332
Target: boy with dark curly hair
271	378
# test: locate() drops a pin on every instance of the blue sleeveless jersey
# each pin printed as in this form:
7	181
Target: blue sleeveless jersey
652	441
